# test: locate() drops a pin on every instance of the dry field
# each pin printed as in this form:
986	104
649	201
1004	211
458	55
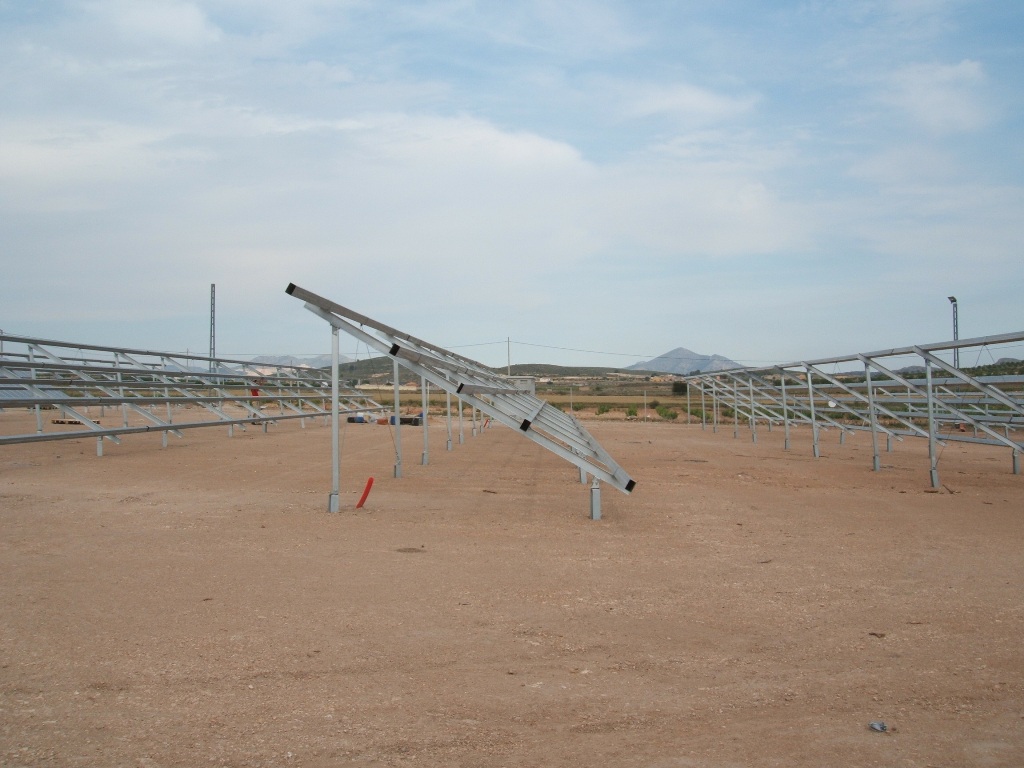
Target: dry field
196	605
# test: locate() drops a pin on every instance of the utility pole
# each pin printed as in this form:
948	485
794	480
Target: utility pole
213	323
956	332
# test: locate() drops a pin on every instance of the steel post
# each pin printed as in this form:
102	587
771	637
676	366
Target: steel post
933	457
448	416
333	499
425	390
398	421
876	463
714	406
595	500
753	416
735	410
814	418
785	414
703	408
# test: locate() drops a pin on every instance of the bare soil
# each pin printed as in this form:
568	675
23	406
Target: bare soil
745	606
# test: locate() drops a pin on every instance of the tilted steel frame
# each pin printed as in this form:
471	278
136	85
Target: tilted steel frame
495	395
71	378
947	404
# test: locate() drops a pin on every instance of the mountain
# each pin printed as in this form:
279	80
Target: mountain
682	360
316	361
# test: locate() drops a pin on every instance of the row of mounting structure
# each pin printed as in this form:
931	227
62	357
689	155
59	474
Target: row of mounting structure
78	391
904	392
504	399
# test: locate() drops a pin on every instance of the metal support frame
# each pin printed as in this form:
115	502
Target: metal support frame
71	378
936	403
503	402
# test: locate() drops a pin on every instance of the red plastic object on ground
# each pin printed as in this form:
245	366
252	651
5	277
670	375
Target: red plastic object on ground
366	492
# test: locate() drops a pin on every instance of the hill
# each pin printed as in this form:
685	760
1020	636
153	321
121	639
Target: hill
682	361
315	361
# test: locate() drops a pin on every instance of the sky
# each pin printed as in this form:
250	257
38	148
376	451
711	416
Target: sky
587	182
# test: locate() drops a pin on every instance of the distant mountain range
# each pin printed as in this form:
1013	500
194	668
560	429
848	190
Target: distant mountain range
314	361
682	361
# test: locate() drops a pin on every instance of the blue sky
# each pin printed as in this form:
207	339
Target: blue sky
766	181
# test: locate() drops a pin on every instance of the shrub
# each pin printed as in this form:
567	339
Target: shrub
603	408
666	413
679	387
631	412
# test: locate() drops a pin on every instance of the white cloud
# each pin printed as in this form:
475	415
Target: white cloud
942	98
583	29
688	103
145	22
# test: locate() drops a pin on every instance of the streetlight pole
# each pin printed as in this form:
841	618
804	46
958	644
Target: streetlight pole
956	332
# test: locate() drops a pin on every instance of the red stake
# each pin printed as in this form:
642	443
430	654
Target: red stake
366	492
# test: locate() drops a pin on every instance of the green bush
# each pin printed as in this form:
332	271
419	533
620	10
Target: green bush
603	408
631	412
666	413
678	387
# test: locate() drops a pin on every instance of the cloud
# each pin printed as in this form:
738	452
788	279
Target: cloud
144	23
942	98
578	29
688	103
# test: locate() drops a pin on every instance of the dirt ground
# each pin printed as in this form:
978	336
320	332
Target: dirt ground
745	606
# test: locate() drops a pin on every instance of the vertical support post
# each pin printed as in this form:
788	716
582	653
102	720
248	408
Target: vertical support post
753	415
595	500
462	431
1016	462
333	500
735	410
785	414
99	446
120	391
687	385
448	417
583	476
472	418
398	421
425	389
39	413
714	406
814	418
933	456
876	462
703	409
